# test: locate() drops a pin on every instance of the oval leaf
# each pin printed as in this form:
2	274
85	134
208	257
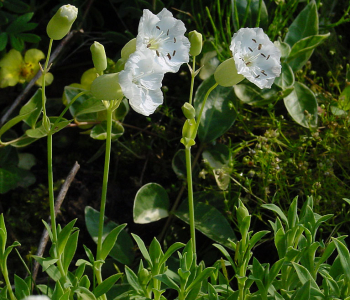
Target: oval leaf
301	104
219	112
209	221
122	250
151	204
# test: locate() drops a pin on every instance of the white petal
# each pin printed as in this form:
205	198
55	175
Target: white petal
147	102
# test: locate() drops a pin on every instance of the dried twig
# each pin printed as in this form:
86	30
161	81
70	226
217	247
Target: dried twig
59	200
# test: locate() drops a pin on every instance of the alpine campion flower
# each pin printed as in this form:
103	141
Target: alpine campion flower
141	81
255	56
163	37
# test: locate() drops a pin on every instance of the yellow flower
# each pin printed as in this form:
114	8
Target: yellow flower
14	69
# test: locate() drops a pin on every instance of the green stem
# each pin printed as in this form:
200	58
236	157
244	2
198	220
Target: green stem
190	198
67	107
43	96
110	107
50	186
8	284
192	79
202	108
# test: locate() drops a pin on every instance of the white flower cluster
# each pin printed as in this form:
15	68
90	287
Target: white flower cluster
161	47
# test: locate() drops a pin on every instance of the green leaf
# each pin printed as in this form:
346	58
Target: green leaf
151	204
257	237
303	49
303	292
63	236
179	165
274	272
173	248
8	179
3	40
122	250
99	132
250	94
133	279
301	104
22	290
143	249
13	122
286	78
344	256
37	133
252	14
45	262
110	241
84	294
344	99
209	221
29	37
201	277
292	213
23	141
219	112
167	281
277	210
86	104
106	285
16	43
305	24
69	250
217	156
21	24
16	6
304	275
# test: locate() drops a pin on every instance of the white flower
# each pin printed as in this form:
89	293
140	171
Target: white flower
37	297
141	81
256	57
163	36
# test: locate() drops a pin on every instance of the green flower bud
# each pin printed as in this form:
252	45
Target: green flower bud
144	276
188	133
129	48
188	111
61	22
106	87
196	42
226	73
241	212
98	56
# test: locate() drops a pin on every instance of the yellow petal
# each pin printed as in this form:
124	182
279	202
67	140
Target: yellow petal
87	78
8	77
12	59
48	79
33	56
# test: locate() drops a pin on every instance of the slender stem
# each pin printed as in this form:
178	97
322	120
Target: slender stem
110	108
190	198
192	79
50	186
105	181
202	108
43	78
67	107
8	283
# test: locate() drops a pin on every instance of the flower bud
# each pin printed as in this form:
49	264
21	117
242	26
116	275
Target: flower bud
98	56
144	276
226	73
106	87
129	48
188	133
61	22
242	212
188	111
195	39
